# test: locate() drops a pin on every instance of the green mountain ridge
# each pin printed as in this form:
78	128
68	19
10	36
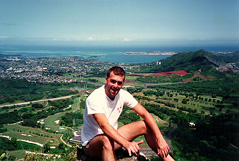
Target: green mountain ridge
201	60
188	61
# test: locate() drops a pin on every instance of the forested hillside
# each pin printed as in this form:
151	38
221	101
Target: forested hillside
196	66
13	90
201	60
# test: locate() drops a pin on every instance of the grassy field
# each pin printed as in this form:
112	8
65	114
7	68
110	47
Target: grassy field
201	106
53	122
42	136
38	135
17	153
32	134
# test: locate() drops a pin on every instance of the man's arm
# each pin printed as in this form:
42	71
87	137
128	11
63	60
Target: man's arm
162	146
112	133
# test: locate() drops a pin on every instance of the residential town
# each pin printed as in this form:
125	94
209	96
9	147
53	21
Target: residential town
47	70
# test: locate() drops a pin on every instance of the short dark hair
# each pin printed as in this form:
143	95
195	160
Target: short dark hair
116	70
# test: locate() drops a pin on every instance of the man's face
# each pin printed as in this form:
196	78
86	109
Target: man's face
113	84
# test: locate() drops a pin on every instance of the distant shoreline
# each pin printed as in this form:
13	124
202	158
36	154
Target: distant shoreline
150	53
128	54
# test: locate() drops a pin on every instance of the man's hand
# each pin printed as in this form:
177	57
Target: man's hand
133	147
163	148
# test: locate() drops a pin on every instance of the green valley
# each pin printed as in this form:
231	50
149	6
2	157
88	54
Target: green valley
194	93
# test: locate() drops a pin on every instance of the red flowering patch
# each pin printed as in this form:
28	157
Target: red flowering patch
199	75
180	73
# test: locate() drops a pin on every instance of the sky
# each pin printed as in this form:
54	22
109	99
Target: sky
122	22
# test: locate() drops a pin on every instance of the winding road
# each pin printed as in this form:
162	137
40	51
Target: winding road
42	100
169	136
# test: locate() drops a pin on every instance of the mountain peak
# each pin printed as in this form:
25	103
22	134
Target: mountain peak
200	60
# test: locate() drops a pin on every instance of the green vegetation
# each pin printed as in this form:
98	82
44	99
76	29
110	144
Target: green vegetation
72	119
163	79
188	61
204	105
44	115
228	88
192	62
215	128
15	90
30	119
13	144
128	116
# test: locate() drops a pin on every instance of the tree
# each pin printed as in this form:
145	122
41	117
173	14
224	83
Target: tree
46	148
37	105
13	141
61	146
184	101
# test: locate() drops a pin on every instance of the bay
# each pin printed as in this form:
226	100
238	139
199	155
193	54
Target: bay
101	55
106	54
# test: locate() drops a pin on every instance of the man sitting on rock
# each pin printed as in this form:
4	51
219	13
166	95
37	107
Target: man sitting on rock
100	135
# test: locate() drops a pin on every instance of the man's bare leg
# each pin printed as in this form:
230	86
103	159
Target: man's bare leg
101	147
150	138
135	129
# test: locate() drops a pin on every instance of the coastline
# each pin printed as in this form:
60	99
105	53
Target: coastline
150	53
129	55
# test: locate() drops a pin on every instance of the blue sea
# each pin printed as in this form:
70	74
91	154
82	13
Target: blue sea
106	54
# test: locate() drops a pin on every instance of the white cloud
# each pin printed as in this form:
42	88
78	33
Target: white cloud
98	39
90	38
126	39
3	37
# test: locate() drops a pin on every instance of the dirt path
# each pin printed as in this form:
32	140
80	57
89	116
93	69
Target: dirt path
169	136
64	141
27	141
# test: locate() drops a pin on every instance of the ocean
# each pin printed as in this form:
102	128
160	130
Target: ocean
106	54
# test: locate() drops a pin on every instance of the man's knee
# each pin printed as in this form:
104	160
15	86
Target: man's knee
98	145
107	143
143	126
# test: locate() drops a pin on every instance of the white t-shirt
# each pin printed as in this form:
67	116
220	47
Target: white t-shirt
99	102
